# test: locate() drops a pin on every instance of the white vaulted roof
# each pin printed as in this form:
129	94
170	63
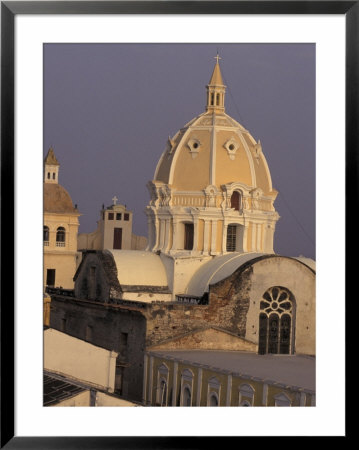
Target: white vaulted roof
139	268
217	269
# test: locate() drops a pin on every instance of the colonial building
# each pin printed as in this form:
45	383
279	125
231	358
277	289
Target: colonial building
114	231
227	378
61	222
209	279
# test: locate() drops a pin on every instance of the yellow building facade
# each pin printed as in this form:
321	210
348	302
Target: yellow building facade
61	223
191	378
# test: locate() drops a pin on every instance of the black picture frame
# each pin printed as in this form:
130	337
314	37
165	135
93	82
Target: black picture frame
9	9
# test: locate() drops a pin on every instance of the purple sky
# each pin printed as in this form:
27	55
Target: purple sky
109	109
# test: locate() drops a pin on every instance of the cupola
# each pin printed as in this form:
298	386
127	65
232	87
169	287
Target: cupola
216	90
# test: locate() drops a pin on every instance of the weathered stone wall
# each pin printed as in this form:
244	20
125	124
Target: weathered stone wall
227	309
105	280
210	339
106	323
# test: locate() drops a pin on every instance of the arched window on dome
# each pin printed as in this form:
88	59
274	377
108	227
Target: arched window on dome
236	201
46	235
218	99
212	99
60	237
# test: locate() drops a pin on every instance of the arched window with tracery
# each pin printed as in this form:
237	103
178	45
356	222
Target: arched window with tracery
46	235
60	237
276	321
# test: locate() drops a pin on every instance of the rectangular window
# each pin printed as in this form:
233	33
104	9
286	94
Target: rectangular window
188	236
126	216
117	238
118	216
50	277
110	216
123	348
119	379
123	339
231	238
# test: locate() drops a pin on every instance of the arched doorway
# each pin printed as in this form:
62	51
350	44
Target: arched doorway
276	322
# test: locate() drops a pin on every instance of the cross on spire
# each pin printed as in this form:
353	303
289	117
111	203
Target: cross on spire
217	57
114	199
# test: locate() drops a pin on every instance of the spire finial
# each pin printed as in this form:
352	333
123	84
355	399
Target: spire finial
217	57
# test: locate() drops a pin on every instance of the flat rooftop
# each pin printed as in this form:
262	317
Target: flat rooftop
292	371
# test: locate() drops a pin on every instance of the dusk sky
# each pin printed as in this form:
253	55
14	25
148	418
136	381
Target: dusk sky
109	109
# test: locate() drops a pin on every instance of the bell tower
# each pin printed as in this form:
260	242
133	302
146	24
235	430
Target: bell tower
51	169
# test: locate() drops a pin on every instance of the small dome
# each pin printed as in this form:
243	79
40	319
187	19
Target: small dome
57	199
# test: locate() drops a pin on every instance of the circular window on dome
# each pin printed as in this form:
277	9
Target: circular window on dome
231	146
194	146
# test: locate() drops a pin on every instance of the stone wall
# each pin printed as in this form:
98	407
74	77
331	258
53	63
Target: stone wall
227	309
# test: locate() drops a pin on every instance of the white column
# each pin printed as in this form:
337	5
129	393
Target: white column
259	237
245	237
229	391
156	232
254	232
199	387
167	234
151	232
174	234
214	237
224	237
195	235
206	236
162	233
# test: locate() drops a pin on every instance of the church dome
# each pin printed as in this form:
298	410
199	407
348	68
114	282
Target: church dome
57	199
213	149
212	190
